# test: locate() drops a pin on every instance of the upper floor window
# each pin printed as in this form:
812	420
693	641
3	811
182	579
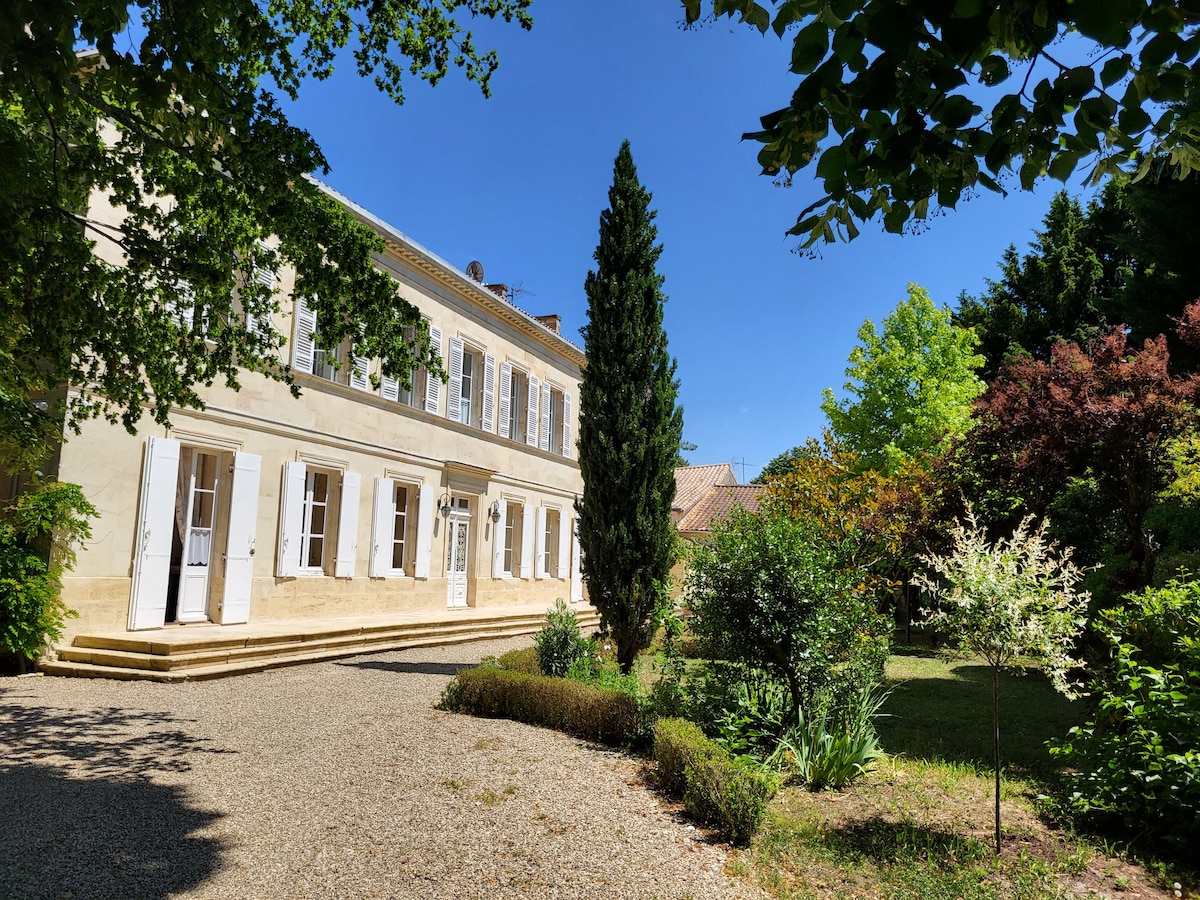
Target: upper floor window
516	391
467	406
556	421
472	388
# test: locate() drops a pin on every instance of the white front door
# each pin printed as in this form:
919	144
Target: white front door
458	541
201	516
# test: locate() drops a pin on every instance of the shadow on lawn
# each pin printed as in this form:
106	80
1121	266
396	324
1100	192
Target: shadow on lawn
887	842
950	719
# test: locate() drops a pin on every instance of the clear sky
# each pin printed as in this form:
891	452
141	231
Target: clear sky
518	182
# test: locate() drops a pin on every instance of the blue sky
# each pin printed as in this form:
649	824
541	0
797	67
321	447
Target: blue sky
518	182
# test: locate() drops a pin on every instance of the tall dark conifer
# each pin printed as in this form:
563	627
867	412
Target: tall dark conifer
629	422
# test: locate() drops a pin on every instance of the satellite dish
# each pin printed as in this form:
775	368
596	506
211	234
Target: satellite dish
475	271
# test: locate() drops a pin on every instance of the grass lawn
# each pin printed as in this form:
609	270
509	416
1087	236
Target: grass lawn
919	825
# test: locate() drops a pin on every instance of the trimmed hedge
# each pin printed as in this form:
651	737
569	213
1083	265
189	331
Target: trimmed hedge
520	661
716	790
595	714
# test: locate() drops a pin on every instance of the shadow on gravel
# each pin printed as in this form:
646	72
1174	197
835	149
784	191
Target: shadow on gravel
409	668
101	742
119	838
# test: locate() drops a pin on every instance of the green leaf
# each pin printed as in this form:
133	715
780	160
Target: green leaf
954	111
1062	166
809	48
832	163
1114	70
1133	120
894	218
993	69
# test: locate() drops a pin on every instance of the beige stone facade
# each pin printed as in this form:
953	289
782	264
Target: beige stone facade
350	500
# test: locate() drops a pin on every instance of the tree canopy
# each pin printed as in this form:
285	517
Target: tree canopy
629	421
911	385
904	106
173	122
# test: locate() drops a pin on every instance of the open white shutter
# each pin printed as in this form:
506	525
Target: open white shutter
566	425
505	397
291	519
564	546
389	388
239	548
382	528
498	532
527	524
303	347
181	304
360	369
539	541
489	393
155	527
576	570
454	398
531	412
544	433
425	514
347	539
433	384
266	277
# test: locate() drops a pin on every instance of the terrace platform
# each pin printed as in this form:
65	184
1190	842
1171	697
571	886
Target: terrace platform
195	652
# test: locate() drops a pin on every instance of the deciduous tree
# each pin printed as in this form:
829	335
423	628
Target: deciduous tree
174	122
629	422
904	106
911	385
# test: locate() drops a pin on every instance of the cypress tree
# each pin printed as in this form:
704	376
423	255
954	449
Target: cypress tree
629	422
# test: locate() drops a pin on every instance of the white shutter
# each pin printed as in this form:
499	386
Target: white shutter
425	514
433	384
347	539
389	388
359	373
489	393
382	528
155	527
304	348
182	306
239	548
539	540
544	435
564	546
566	425
266	277
291	519
498	533
531	412
576	572
454	398
505	397
527	524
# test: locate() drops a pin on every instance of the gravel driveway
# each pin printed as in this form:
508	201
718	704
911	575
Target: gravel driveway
334	779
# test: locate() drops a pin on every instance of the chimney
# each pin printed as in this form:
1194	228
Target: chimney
500	290
553	322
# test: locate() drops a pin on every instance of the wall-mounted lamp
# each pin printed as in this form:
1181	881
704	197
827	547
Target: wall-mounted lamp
494	511
444	505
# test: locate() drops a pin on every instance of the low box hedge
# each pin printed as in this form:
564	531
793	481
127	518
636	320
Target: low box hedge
595	714
716	790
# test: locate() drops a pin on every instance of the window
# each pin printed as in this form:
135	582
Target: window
518	404
512	538
315	520
467	387
327	363
550	543
556	421
400	522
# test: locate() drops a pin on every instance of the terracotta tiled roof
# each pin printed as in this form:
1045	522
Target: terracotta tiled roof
716	505
693	482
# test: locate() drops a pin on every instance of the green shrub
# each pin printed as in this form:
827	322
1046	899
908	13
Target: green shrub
38	532
717	789
678	745
730	797
1138	761
524	660
559	643
595	714
834	746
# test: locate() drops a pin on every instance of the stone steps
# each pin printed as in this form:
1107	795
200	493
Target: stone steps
219	652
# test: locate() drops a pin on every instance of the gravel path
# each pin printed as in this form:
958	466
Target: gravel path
334	779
